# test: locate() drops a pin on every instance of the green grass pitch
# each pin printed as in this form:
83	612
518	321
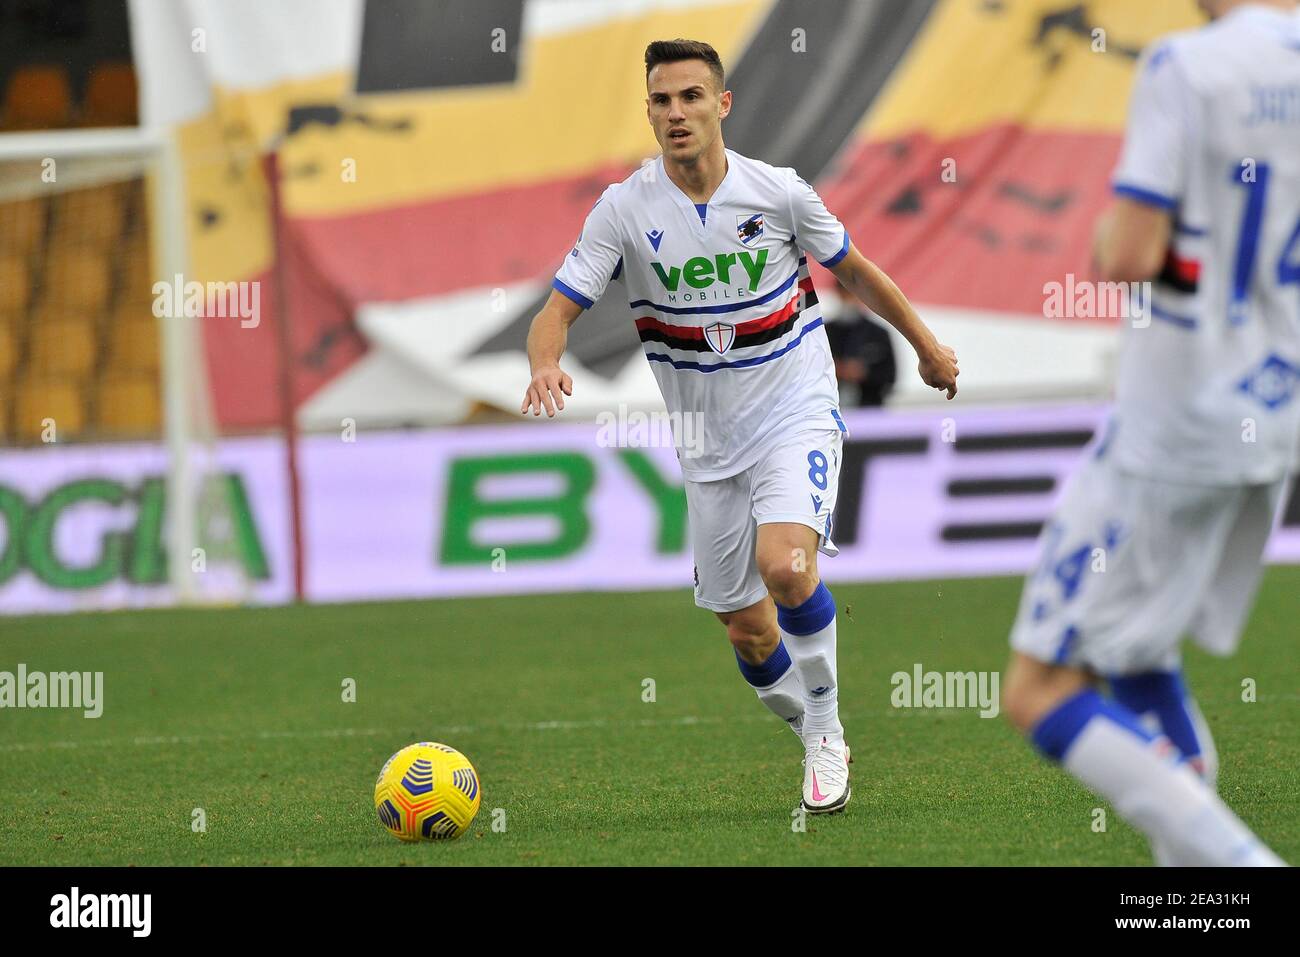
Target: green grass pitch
240	712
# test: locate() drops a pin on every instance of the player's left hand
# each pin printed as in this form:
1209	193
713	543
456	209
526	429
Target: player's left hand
938	369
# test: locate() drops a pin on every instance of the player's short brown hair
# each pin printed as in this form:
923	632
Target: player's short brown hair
671	51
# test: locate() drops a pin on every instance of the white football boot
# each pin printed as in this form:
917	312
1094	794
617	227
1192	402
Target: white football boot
826	777
796	725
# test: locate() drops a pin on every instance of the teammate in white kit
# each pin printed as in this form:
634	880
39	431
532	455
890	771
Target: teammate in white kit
1162	531
709	245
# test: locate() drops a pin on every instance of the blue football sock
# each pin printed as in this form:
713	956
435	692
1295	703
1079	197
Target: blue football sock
1162	694
1057	730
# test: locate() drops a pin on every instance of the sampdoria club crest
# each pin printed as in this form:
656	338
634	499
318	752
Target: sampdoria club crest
749	228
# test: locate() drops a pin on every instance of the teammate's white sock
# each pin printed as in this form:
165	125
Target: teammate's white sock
1209	753
1102	744
777	684
809	633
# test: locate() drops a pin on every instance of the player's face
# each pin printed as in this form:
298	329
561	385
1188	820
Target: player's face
685	108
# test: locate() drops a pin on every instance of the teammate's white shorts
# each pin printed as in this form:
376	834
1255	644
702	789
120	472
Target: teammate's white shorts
1129	565
796	480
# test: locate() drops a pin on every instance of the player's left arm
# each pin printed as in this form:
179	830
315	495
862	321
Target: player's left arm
1131	241
867	281
1132	237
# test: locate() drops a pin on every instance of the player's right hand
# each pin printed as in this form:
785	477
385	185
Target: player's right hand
938	369
547	391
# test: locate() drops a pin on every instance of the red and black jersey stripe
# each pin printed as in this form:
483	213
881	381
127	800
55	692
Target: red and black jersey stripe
752	332
1179	273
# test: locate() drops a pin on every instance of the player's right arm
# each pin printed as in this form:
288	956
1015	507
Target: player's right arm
864	279
587	270
824	237
546	340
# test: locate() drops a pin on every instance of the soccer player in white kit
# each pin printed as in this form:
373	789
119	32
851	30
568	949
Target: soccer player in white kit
1161	532
710	245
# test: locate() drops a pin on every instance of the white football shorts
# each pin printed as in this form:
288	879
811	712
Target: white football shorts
1128	565
795	480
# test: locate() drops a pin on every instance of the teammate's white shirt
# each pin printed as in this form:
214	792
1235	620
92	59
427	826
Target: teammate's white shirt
717	303
1210	391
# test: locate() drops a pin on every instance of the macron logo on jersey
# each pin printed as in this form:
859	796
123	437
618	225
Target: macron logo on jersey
700	272
656	236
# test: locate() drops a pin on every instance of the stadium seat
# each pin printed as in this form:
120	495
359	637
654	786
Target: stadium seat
15	284
77	277
37	98
92	216
139	277
135	209
62	347
41	398
22	226
13	331
111	98
8	351
128	403
133	339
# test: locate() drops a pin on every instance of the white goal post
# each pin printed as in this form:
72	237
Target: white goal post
48	163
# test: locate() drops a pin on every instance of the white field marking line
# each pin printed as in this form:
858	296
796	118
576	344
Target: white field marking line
166	739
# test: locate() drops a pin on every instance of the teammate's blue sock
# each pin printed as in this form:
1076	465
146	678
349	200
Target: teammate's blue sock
777	685
1103	744
1162	693
1058	730
809	632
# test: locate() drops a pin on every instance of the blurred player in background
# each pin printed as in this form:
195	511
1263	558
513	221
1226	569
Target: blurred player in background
863	353
709	244
1162	531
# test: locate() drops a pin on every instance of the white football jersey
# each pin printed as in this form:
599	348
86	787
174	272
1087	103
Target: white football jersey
1210	390
722	301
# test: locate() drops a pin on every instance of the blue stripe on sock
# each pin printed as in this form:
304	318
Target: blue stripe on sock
810	617
1163	693
770	671
1056	731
